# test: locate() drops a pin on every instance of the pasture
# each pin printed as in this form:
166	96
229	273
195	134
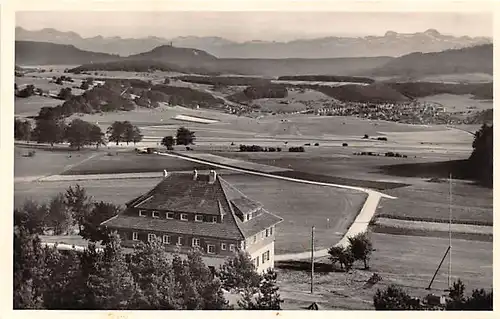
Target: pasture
301	206
47	161
430	202
407	261
131	162
30	106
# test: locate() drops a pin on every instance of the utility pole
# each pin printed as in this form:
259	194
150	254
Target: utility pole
312	260
449	244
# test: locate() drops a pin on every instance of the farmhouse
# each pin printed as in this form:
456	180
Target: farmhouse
201	211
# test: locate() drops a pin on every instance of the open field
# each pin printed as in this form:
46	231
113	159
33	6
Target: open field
407	261
46	161
301	206
131	162
429	202
30	106
432	229
458	103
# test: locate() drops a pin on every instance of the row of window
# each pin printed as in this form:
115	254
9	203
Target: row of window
265	258
182	216
263	234
195	242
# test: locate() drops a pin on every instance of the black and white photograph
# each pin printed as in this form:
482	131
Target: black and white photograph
212	159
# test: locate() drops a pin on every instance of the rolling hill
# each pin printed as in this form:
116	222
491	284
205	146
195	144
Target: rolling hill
477	59
184	57
43	53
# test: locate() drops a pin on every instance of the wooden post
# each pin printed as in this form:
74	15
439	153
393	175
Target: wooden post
312	260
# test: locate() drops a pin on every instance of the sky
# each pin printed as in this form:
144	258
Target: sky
246	26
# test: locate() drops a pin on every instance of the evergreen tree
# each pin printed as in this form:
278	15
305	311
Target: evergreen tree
29	270
269	297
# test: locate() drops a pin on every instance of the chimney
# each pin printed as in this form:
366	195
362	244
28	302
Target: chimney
165	173
195	175
212	176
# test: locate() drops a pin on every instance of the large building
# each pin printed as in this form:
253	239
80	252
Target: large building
203	211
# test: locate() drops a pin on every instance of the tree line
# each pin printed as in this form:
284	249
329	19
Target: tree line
77	133
112	278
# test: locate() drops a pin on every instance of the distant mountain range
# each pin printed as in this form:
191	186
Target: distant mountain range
391	44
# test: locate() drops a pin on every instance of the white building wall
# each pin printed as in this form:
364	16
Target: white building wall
258	253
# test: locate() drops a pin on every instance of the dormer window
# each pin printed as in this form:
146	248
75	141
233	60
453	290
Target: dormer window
198	218
184	217
156	214
142	213
247	217
170	215
232	247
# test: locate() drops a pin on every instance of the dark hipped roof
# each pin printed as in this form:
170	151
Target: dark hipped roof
179	192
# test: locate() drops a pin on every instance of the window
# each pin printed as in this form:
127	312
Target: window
257	261
254	239
248	217
267	232
198	218
214	219
142	213
179	241
166	239
261	235
231	247
196	242
151	237
223	246
184	217
135	236
170	215
271	231
155	214
265	256
211	249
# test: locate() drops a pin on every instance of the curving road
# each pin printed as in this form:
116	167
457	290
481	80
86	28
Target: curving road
359	225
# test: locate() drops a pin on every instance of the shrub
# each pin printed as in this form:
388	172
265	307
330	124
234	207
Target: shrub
296	149
316	144
365	136
345	144
382	138
342	256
